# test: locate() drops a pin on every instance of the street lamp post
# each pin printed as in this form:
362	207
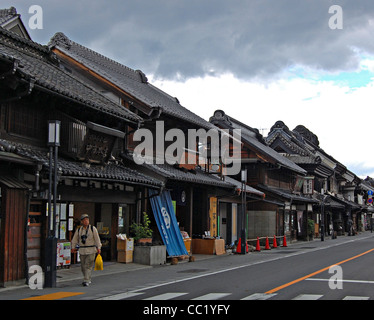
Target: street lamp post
242	234
323	216
51	241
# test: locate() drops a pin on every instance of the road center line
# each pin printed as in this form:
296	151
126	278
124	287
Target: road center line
316	272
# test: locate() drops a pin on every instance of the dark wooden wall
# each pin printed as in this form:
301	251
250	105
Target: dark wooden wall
12	237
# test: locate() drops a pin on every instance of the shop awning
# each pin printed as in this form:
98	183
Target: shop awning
166	220
346	203
284	194
14	183
334	204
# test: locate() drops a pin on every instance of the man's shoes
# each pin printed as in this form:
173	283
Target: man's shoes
85	284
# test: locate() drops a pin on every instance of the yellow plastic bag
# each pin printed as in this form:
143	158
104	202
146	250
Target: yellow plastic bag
99	263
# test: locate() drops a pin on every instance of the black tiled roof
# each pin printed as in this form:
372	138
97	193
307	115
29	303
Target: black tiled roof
252	137
7	15
328	201
134	82
287	194
170	172
39	63
302	147
292	142
196	176
115	172
337	202
345	202
248	188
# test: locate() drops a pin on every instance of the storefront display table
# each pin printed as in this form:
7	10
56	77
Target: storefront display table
208	246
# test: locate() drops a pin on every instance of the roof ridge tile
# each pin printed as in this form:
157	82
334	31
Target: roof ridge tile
61	40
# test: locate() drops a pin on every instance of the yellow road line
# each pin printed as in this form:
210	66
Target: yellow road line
55	296
314	273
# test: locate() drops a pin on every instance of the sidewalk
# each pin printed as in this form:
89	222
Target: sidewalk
75	273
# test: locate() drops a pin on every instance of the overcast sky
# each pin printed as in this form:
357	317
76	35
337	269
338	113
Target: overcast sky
258	60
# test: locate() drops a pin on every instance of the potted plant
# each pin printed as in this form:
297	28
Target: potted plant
311	228
142	231
144	251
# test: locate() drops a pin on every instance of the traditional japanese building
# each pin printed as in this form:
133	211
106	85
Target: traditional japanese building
92	178
284	209
365	197
195	189
101	104
329	181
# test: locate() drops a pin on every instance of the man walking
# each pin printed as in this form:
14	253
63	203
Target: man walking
86	239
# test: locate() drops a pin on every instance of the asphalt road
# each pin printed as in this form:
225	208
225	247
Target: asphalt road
299	271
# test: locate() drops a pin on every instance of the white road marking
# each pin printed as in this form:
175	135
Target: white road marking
355	298
259	296
212	296
308	297
167	296
120	296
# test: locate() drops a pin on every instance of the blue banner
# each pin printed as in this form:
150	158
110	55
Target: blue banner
166	220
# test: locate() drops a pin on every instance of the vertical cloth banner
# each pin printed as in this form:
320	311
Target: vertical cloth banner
166	220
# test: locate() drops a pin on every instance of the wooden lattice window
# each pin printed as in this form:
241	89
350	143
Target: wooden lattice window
27	120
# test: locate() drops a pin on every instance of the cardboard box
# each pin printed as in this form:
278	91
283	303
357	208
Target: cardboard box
125	245
187	243
208	246
203	246
220	246
125	256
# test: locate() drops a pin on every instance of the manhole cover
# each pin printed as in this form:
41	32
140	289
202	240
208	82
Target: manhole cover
192	270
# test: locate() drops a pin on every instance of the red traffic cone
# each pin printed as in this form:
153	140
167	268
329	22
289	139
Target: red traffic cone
258	245
284	241
275	242
267	247
239	246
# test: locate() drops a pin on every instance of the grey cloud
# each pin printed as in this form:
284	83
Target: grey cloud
250	38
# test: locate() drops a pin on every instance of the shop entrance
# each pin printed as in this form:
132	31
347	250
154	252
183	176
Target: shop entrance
228	221
126	217
110	219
